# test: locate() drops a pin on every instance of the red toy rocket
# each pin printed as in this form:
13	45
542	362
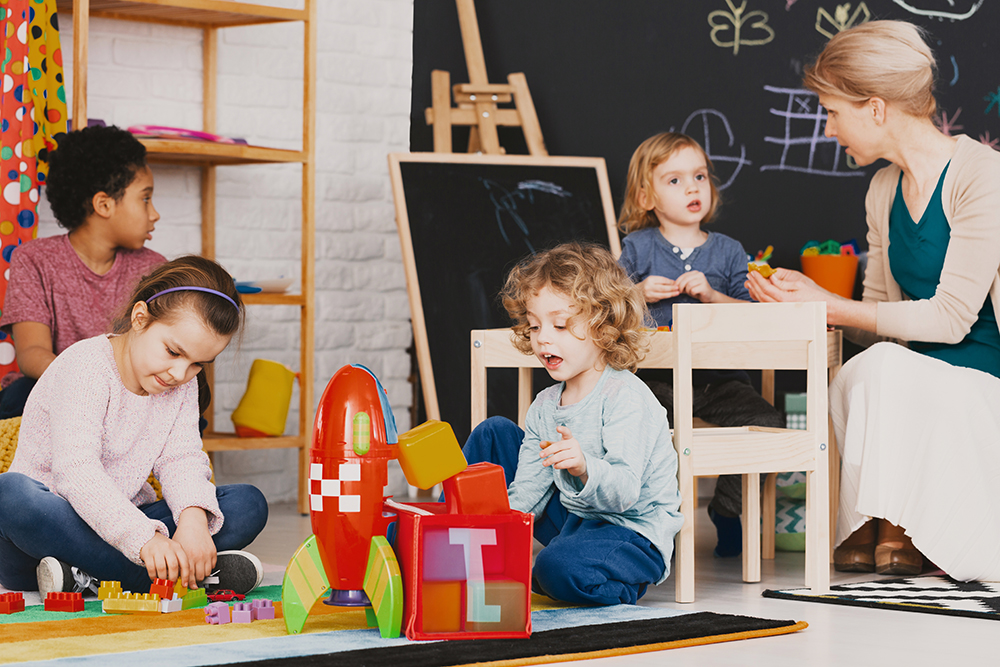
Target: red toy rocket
353	440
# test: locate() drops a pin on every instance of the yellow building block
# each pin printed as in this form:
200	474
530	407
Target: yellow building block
109	589
429	454
133	603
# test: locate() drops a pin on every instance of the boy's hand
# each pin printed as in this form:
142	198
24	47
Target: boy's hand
696	284
658	288
165	559
193	536
565	454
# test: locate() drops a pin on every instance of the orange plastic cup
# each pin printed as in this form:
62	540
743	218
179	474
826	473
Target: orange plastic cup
832	272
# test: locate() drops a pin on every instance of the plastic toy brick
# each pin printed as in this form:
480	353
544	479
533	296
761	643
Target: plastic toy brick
64	602
217	613
108	589
163	588
195	598
11	603
429	454
479	489
133	603
170	606
263	610
242	612
180	590
764	270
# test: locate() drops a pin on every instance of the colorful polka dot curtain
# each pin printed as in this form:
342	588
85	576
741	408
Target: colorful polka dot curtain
32	110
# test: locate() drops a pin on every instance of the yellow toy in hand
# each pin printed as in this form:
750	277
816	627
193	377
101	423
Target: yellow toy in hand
764	270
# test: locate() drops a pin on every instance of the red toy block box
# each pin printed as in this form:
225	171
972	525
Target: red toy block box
465	576
11	603
64	602
479	489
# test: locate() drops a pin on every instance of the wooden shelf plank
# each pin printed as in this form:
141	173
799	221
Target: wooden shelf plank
173	151
272	299
220	442
192	13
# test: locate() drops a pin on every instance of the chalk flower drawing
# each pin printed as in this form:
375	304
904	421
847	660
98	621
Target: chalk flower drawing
993	99
992	143
956	10
736	19
946	124
842	19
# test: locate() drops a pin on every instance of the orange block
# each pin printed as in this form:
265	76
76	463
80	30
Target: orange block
442	606
479	489
163	588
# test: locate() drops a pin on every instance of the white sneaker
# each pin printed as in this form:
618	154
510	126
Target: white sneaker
238	571
55	576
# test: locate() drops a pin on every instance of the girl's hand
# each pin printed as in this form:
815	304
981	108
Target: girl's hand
165	559
785	285
658	288
565	454
193	537
696	284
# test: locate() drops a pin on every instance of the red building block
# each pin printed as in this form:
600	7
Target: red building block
479	489
163	588
11	603
64	602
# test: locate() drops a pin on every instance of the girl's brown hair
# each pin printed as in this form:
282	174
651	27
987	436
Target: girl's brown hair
885	59
648	156
608	304
188	271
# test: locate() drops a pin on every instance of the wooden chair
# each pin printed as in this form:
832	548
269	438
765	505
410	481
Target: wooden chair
753	336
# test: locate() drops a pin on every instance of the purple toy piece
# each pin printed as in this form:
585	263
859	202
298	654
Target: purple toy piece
262	610
242	612
217	613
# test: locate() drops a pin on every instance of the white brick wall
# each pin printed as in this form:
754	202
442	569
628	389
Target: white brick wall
149	74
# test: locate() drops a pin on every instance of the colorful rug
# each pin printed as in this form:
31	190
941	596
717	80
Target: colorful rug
929	595
181	639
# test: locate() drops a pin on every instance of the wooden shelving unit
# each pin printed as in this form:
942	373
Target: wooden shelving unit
210	16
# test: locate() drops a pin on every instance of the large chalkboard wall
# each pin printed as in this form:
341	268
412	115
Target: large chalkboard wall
606	74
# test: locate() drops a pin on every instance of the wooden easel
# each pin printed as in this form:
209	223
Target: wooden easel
476	102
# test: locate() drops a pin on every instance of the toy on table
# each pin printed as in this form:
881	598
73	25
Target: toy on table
264	407
482	588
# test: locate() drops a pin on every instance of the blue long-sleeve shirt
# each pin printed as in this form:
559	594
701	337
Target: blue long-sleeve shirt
631	465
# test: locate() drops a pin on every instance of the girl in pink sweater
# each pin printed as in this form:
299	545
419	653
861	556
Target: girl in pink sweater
107	412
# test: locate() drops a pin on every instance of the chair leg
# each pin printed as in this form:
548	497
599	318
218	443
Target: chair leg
684	554
834	463
768	510
817	541
751	527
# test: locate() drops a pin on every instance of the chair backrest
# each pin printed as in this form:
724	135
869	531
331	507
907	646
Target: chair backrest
751	336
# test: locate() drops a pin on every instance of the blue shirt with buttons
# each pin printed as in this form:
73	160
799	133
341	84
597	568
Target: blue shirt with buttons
722	259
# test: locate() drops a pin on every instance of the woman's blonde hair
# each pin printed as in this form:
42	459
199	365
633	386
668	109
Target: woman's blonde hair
886	59
648	156
607	303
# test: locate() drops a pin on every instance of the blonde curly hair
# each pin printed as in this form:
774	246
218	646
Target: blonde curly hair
606	301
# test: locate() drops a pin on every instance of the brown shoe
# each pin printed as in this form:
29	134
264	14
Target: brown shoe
857	552
895	553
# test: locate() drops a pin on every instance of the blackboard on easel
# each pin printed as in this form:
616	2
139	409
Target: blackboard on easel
464	221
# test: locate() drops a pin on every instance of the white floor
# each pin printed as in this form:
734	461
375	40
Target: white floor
837	635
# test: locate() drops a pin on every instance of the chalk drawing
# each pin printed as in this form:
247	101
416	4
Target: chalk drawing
511	206
993	99
736	19
992	143
956	10
842	19
954	79
788	4
804	147
948	125
699	125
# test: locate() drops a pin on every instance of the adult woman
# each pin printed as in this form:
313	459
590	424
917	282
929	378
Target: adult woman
916	425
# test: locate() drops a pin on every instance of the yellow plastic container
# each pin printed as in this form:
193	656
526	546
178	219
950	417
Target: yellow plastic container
263	409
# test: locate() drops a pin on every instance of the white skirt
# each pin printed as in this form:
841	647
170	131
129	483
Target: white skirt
920	441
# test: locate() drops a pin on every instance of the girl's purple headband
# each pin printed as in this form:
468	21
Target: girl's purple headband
195	289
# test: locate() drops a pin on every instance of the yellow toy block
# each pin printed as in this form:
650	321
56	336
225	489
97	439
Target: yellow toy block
109	589
133	603
429	454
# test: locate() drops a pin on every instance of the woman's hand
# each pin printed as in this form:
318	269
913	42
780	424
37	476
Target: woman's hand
165	559
786	285
193	537
565	454
658	288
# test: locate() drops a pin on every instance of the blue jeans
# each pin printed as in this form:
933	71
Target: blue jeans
585	561
13	398
35	523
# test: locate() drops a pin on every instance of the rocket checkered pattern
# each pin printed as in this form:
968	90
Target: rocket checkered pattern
321	488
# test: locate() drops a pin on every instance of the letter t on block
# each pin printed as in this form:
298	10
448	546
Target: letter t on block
473	540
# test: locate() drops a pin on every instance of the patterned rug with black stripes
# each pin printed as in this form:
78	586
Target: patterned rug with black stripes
929	594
